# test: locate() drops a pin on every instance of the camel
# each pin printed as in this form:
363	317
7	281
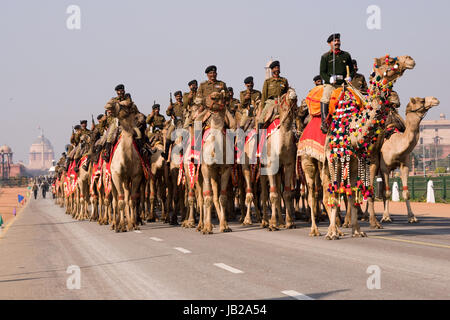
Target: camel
176	190
250	173
396	150
316	165
156	183
193	180
214	167
364	131
281	160
83	181
126	169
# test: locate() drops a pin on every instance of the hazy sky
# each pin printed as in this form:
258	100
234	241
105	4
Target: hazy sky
53	77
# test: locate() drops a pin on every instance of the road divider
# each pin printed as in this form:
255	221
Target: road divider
182	250
296	295
228	268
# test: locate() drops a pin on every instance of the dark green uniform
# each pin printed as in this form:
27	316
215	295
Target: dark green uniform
359	82
343	59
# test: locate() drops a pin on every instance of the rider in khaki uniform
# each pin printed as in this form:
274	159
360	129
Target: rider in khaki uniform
234	103
333	70
211	85
250	95
124	99
188	97
176	109
273	88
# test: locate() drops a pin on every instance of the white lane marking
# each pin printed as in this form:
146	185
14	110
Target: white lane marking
228	268
156	239
137	231
296	295
182	250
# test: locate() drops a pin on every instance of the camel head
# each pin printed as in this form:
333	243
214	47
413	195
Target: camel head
289	100
420	106
112	106
390	68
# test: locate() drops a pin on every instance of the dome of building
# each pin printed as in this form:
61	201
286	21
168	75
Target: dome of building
5	149
41	154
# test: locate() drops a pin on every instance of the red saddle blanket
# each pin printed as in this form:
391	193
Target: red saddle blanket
312	141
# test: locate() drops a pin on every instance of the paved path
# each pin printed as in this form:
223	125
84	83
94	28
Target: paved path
165	262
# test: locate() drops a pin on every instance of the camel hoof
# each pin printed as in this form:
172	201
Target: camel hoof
207	231
413	220
281	226
314	233
386	219
264	224
291	226
359	234
273	228
247	222
227	229
333	236
346	225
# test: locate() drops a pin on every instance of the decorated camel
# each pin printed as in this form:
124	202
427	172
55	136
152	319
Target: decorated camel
355	131
396	150
348	155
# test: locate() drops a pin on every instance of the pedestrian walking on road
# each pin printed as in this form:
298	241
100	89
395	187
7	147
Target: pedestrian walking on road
35	190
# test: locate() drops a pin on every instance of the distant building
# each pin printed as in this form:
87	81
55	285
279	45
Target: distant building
7	168
41	154
434	143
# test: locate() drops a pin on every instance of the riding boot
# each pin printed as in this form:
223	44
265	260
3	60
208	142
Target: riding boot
324	116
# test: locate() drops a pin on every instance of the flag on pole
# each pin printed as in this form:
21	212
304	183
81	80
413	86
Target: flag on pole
20	198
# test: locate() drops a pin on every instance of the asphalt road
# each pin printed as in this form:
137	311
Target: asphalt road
166	262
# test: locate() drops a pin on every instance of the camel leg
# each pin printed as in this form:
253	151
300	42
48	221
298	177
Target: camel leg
274	199
134	197
404	170
287	195
224	178
264	199
152	200
247	220
386	216
374	224
200	205
207	190
310	168
356	229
